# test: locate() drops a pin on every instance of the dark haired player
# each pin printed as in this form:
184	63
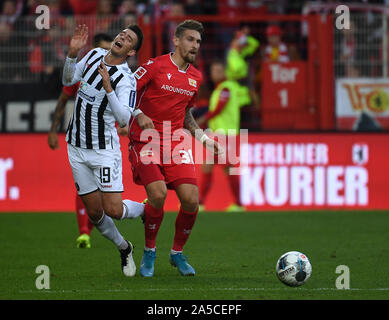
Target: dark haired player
85	226
106	95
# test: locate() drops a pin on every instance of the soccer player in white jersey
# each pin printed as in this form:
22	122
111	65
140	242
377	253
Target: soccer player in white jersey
106	95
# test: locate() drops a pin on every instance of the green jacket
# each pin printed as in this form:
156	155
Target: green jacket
229	118
237	67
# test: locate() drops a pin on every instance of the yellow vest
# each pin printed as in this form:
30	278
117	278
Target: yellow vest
229	117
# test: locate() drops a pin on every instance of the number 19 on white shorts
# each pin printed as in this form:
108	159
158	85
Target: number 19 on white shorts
96	169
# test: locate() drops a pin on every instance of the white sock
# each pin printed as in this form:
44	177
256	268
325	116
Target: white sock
108	229
132	209
149	249
175	252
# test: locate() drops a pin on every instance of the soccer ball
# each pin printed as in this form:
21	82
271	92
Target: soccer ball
293	268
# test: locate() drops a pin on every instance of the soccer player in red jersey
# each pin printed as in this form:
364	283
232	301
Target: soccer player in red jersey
167	87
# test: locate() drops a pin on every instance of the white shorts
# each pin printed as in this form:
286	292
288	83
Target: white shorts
96	169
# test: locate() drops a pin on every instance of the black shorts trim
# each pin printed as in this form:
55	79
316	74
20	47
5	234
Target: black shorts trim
84	194
111	191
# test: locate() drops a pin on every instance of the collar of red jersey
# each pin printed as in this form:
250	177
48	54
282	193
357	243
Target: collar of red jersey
183	71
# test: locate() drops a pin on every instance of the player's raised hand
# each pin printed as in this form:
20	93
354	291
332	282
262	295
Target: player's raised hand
102	69
144	121
78	40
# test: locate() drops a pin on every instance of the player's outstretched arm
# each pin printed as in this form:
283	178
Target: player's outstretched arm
191	125
78	41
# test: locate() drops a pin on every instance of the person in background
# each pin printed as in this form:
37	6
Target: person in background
275	50
242	46
10	11
348	51
223	116
84	7
239	67
85	226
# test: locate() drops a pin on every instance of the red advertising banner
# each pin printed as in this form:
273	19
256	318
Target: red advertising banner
315	171
35	178
278	172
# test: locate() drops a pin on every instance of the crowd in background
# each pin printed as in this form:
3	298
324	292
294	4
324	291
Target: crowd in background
28	54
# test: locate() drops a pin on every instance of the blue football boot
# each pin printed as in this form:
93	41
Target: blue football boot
147	265
181	262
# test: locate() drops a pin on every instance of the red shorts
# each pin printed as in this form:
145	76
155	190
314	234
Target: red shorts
147	166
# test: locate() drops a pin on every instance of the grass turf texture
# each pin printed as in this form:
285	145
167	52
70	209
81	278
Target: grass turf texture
234	255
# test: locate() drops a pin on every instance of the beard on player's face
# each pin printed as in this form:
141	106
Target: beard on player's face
190	58
188	55
188	45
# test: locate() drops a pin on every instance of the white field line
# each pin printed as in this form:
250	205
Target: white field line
197	289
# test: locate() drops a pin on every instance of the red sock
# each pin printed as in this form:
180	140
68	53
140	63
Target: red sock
205	186
153	220
184	224
82	217
90	226
235	187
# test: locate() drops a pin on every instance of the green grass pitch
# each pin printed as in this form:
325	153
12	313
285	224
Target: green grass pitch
234	255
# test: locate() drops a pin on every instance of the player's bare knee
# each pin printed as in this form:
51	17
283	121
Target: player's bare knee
190	202
115	211
157	198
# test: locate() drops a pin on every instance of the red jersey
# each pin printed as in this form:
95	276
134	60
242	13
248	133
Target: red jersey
277	54
164	93
71	90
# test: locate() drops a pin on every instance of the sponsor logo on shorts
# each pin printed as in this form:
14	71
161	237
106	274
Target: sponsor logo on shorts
107	186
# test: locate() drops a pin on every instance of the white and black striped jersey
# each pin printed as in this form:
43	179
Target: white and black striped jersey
93	123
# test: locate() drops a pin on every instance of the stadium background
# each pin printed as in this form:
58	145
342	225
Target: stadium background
327	107
334	92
